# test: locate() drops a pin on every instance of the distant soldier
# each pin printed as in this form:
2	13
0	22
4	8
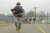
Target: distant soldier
25	21
34	20
30	20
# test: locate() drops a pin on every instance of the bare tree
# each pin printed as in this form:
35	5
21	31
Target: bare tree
31	14
41	16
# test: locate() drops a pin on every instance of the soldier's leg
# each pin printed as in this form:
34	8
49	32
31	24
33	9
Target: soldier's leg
20	22
19	25
16	24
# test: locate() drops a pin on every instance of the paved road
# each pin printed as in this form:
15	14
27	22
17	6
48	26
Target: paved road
45	27
27	28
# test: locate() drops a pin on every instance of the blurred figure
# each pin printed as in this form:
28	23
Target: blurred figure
18	12
34	20
30	20
26	21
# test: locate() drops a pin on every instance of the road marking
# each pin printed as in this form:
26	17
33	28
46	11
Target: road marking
47	24
3	25
39	28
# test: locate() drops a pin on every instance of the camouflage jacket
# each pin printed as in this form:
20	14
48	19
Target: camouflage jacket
20	10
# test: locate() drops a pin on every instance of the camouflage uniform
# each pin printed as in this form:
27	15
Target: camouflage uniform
18	20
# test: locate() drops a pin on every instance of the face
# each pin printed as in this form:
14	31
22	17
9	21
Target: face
18	5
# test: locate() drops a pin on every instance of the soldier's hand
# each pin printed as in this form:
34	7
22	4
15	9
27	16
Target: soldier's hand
13	11
19	14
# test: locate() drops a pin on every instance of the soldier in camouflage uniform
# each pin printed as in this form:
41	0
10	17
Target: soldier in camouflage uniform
18	12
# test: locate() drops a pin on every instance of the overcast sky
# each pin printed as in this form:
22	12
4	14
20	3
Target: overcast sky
42	5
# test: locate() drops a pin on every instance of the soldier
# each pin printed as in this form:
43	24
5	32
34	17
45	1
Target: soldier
18	12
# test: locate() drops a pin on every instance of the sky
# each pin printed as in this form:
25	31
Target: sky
42	5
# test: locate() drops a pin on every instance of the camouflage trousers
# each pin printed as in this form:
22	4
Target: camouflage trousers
18	22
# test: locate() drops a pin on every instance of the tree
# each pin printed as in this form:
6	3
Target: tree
41	16
31	14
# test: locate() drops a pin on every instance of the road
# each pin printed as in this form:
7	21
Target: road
26	28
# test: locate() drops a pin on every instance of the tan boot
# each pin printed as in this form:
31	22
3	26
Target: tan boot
16	29
19	30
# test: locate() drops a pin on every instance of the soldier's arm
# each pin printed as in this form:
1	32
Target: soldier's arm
13	10
23	11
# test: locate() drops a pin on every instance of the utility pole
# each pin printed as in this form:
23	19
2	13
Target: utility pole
35	14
